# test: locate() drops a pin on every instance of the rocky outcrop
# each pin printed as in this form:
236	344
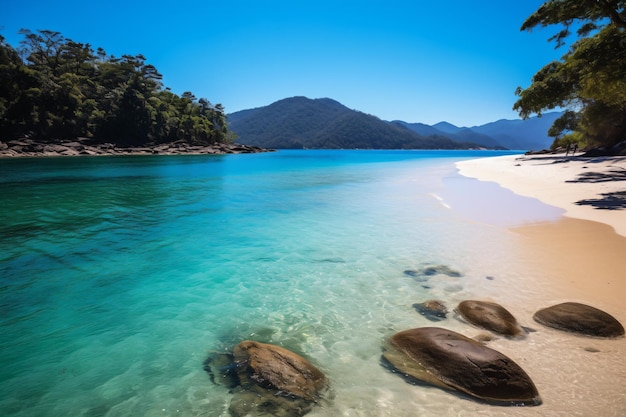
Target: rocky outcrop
581	319
489	316
452	361
86	147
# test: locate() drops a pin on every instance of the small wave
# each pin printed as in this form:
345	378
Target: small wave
440	199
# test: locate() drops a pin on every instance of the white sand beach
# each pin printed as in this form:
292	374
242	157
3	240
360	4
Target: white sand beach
583	253
580	258
586	188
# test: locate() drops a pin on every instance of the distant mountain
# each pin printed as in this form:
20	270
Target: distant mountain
446	127
419	128
511	134
300	122
458	134
531	133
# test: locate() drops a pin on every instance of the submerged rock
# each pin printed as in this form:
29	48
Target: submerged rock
452	361
432	270
279	369
267	380
433	310
490	316
222	369
257	402
580	318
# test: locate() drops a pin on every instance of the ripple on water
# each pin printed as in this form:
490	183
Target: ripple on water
119	278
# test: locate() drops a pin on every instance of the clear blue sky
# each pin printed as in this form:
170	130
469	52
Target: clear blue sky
417	61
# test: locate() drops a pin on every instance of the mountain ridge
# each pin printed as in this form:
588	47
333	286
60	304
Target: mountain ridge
324	123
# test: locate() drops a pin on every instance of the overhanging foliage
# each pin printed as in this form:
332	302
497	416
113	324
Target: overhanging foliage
590	79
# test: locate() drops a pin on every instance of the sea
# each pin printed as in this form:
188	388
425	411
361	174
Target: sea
120	275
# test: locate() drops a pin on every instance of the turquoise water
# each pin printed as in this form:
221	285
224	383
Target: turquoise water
119	275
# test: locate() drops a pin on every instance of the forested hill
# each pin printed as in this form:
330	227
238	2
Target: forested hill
300	122
54	88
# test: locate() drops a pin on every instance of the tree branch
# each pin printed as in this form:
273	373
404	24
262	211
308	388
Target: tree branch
614	15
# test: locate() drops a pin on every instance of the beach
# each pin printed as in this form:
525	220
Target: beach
582	251
586	188
579	258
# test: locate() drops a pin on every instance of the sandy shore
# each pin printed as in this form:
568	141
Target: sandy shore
578	257
586	188
583	252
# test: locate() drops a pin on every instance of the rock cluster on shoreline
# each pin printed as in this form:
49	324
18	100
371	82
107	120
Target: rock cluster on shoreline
268	379
27	147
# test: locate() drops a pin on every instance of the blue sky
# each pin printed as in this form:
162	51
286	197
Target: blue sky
417	61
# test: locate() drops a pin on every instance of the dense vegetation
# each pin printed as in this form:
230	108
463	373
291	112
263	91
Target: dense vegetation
54	88
589	80
300	122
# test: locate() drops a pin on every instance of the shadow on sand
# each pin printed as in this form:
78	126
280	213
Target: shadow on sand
593	177
609	201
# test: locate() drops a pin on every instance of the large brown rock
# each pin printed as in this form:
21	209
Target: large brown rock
452	361
266	380
490	316
580	318
278	368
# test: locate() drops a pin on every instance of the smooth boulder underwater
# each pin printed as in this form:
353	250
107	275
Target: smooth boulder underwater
452	361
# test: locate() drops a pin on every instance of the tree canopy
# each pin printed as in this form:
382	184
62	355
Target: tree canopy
589	80
54	88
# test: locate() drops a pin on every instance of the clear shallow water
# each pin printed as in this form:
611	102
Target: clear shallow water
120	275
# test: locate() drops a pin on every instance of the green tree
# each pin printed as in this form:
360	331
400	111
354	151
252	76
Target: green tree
55	88
9	88
590	79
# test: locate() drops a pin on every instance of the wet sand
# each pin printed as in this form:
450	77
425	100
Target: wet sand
583	259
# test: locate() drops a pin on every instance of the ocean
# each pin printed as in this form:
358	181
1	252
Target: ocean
120	275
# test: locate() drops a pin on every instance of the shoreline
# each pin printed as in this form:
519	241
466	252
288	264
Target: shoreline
573	258
578	254
29	148
588	188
